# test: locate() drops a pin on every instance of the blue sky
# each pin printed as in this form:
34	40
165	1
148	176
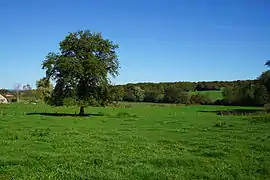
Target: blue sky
168	40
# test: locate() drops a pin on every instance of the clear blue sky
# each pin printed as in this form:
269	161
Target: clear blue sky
168	40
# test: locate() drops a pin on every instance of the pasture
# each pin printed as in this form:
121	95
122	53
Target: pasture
139	141
213	95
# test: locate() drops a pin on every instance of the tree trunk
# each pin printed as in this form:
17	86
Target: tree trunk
17	97
81	111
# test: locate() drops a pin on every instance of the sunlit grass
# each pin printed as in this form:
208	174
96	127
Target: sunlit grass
141	141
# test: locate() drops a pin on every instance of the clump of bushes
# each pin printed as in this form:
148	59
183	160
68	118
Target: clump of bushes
248	94
199	99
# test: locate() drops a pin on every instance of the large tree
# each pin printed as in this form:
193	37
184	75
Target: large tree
82	69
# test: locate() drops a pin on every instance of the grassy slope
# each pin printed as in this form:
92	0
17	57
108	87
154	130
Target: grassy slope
143	142
213	95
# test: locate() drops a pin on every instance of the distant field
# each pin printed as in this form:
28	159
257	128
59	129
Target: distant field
213	95
143	141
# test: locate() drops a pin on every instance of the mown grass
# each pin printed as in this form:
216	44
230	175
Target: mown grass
141	141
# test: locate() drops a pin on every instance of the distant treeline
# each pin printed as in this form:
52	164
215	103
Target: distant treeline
240	92
191	86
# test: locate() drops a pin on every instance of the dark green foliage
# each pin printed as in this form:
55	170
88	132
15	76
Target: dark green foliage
13	100
117	93
214	85
264	78
155	95
155	92
228	94
27	87
31	96
267	63
44	89
173	94
199	99
249	94
189	86
82	68
27	95
134	93
244	94
240	92
69	101
261	95
183	98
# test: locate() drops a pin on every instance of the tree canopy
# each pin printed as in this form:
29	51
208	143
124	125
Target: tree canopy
82	69
267	63
44	89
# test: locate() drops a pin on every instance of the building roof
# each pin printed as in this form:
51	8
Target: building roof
9	95
2	97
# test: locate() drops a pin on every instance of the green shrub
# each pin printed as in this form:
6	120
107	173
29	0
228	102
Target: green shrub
199	99
175	95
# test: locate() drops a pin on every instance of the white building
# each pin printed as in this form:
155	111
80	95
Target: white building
3	100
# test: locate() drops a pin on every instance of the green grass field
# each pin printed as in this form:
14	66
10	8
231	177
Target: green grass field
145	141
213	95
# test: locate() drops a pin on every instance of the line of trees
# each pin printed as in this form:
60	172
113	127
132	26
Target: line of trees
240	92
25	93
175	92
170	92
255	93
